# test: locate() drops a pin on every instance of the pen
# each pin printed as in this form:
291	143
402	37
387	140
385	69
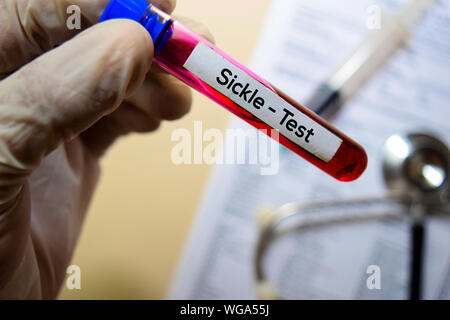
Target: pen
202	66
369	57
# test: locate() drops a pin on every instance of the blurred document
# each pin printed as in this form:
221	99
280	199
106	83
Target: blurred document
301	43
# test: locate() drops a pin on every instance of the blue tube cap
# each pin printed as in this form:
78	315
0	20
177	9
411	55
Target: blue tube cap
138	10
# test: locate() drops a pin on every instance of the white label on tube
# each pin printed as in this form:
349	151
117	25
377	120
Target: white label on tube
263	103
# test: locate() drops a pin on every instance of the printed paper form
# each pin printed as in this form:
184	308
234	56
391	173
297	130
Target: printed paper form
302	42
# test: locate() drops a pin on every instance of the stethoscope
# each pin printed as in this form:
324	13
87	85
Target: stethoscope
416	171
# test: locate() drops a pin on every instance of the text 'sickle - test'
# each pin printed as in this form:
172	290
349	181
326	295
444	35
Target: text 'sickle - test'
210	71
252	98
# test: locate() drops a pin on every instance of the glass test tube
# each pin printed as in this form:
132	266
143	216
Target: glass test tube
202	66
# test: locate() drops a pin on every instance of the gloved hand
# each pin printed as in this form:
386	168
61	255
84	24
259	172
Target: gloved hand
59	112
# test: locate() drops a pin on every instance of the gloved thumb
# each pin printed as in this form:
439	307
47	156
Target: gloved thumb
63	92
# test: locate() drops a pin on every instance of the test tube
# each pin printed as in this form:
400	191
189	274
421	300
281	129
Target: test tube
202	66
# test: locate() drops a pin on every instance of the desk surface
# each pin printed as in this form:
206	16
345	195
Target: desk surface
144	206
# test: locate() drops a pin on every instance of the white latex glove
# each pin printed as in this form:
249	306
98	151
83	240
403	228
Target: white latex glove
59	112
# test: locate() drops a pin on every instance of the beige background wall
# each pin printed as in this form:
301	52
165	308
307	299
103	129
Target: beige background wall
144	206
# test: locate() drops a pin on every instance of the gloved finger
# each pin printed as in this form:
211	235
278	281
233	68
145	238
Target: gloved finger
126	119
65	91
163	96
31	27
130	118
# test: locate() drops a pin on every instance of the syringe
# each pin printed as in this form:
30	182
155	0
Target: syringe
370	56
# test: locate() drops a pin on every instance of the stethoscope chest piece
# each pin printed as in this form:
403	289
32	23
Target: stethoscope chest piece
417	166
